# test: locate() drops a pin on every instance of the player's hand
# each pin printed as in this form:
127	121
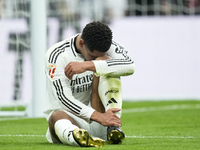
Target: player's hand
74	68
109	118
78	67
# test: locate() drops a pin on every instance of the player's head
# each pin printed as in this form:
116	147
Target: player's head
97	36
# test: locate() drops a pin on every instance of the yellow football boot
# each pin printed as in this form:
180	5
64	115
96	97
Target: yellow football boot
115	135
84	139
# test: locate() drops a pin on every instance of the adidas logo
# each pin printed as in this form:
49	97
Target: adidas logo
112	100
69	134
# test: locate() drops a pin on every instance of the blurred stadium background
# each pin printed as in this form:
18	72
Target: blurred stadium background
162	36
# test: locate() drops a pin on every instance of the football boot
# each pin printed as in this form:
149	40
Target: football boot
115	135
84	139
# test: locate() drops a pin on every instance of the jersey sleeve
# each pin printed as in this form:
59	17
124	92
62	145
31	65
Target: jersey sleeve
120	63
60	85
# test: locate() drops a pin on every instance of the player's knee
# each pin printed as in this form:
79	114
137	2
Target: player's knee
103	58
57	115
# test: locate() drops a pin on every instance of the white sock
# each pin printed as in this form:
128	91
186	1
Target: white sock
64	129
110	93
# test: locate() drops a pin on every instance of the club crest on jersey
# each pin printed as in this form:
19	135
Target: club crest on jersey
52	69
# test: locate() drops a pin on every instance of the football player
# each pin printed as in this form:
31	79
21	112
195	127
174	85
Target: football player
84	93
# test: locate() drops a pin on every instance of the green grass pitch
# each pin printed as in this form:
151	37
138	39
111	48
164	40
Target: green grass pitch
159	125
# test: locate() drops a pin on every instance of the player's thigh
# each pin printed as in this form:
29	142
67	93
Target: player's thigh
76	120
58	115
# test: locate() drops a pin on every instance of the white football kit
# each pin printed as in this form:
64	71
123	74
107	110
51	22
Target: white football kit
73	96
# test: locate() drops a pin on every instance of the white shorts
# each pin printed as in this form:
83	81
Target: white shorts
94	128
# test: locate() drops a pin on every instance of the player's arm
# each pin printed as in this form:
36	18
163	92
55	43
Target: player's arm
78	67
59	84
120	64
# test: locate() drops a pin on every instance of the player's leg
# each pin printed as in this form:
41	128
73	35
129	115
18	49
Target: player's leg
110	92
65	129
60	125
107	93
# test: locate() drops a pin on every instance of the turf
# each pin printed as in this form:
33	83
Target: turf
161	125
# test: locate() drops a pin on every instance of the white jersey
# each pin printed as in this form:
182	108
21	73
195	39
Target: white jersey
74	95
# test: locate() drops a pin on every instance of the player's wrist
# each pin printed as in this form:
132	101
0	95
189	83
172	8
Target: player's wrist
89	65
96	116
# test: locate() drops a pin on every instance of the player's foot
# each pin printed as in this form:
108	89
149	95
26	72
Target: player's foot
115	135
84	139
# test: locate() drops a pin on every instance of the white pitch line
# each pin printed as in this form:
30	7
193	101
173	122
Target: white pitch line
133	136
162	108
21	135
164	137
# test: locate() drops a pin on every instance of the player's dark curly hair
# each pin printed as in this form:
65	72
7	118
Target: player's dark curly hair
97	36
